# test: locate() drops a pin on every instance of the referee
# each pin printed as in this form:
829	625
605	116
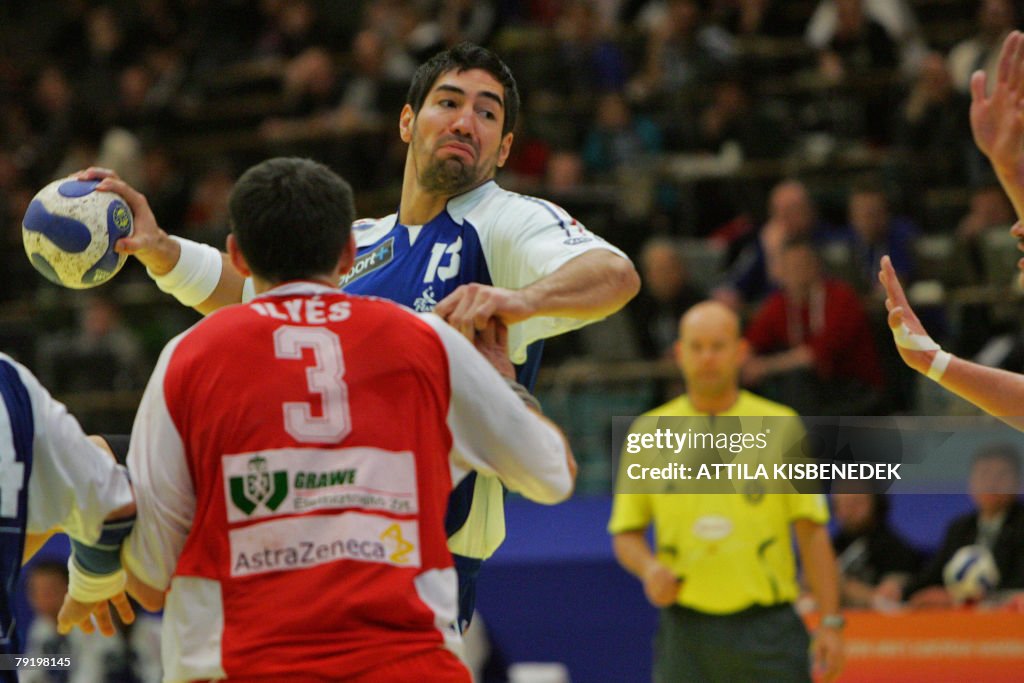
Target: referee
724	572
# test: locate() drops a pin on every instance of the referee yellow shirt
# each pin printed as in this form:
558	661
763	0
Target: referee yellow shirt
732	551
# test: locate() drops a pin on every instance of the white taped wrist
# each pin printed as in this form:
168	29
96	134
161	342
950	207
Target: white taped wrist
85	587
194	276
939	365
913	341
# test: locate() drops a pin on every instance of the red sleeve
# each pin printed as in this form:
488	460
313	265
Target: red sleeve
767	331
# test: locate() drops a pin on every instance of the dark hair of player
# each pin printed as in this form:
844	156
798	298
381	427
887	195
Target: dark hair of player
292	218
463	57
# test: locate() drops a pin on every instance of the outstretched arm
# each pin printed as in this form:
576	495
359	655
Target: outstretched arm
202	280
997	392
997	121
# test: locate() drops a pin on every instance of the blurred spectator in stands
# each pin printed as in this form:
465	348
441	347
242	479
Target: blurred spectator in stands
167	71
67	41
933	129
206	218
618	139
860	48
666	294
19	276
218	33
406	25
310	82
564	171
989	208
850	21
868	550
375	86
100	353
873	231
310	90
527	163
731	116
754	18
996	18
132	655
45	586
466	20
290	28
54	117
131	108
997	524
165	185
682	50
812	345
791	215
588	60
95	73
859	44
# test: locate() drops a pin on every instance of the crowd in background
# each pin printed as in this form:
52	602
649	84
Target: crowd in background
762	152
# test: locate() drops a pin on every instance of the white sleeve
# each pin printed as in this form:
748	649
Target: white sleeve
164	494
530	239
74	484
493	432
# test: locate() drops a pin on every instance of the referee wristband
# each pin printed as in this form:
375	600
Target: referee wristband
85	587
834	621
194	276
524	395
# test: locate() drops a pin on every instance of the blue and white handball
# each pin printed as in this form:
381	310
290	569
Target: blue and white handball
971	573
69	233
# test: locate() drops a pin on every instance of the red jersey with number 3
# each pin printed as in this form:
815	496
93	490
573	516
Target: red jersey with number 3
292	460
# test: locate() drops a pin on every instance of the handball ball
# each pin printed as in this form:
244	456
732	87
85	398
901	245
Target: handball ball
971	573
69	233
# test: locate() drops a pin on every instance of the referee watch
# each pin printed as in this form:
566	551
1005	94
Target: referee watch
833	621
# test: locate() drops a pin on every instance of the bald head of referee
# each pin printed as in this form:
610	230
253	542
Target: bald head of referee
710	353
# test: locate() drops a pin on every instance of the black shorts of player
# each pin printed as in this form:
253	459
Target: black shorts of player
763	644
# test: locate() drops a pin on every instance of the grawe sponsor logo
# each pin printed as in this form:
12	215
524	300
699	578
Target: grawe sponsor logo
258	486
303	542
289	480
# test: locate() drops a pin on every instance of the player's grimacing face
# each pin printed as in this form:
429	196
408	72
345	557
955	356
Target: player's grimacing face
456	139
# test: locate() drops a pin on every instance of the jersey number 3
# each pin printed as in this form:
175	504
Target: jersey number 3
325	378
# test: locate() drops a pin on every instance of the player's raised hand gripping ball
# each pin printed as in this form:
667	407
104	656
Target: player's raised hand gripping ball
70	230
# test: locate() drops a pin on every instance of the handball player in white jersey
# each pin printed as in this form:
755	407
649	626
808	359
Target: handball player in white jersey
458	244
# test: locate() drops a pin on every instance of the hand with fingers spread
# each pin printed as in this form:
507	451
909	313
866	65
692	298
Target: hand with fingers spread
917	349
470	307
148	242
74	613
997	120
